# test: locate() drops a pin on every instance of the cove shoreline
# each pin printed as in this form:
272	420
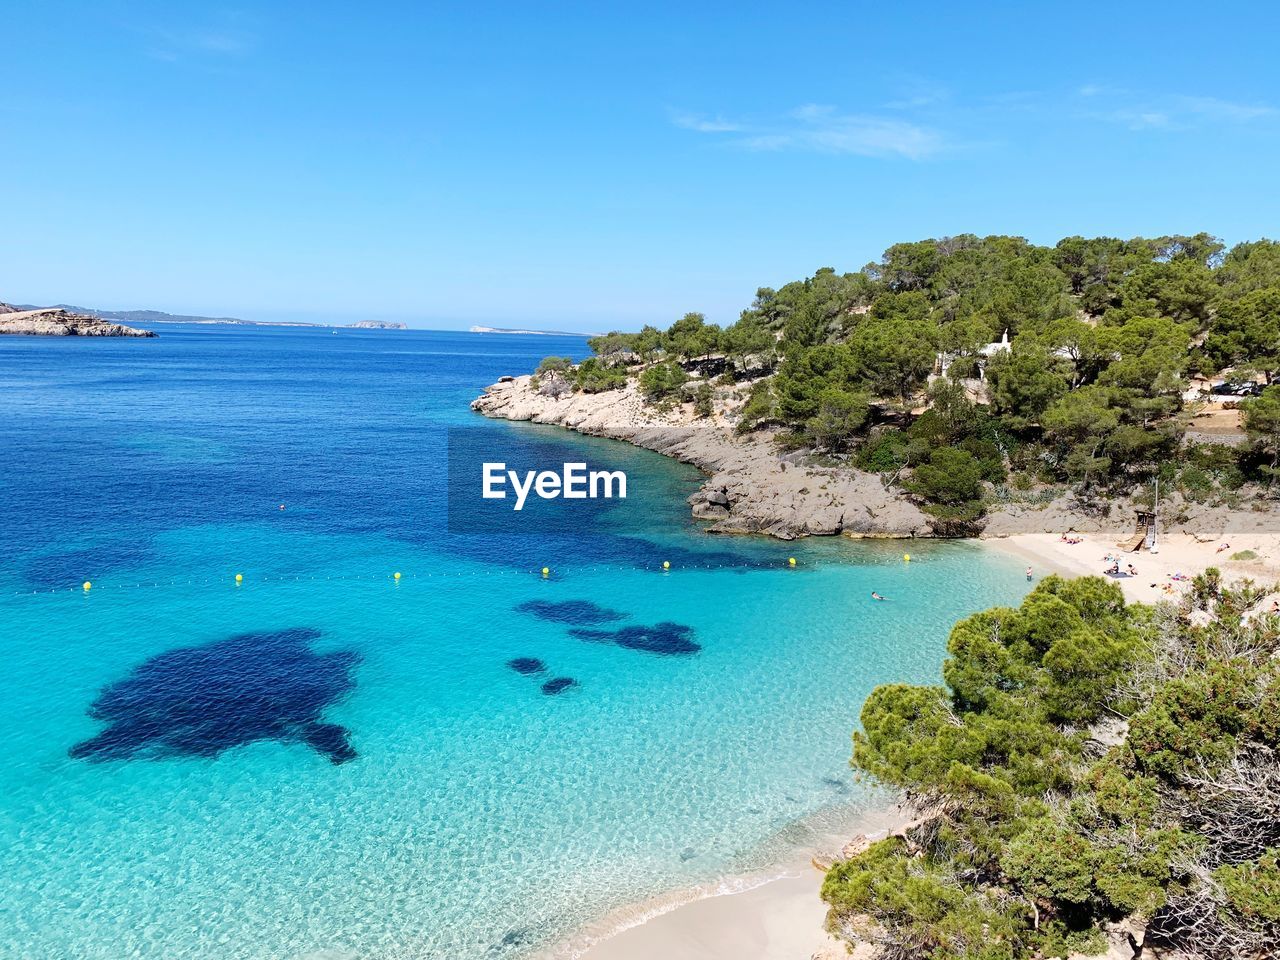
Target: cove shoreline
750	488
773	912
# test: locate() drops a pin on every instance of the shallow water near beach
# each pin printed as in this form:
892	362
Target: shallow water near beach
470	762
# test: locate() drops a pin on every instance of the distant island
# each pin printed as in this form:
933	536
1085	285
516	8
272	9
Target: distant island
159	316
133	316
148	317
535	333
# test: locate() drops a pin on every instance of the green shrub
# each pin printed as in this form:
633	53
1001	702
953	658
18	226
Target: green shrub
949	477
1195	484
593	376
702	400
554	365
885	452
662	380
759	406
1254	887
560	365
840	415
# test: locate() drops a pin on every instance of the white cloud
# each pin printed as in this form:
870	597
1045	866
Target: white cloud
230	36
1171	112
1144	120
917	93
717	124
222	42
1225	109
820	128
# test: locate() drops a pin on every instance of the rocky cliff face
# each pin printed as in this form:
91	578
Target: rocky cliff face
55	322
751	487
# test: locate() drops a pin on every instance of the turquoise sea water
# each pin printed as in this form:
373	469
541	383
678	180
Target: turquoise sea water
157	803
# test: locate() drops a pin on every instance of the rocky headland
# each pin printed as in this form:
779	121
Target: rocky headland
755	486
751	486
57	322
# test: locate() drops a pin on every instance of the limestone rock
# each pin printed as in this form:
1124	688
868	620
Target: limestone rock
56	322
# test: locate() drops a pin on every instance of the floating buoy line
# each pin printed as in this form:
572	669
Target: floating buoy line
395	578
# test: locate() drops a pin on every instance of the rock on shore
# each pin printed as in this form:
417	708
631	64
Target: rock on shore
56	322
751	487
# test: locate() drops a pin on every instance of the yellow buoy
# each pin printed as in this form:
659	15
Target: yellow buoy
239	578
906	557
87	585
397	574
546	571
791	561
666	564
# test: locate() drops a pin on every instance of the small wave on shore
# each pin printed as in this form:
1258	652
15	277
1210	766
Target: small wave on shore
788	855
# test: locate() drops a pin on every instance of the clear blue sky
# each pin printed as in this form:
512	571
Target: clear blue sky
598	165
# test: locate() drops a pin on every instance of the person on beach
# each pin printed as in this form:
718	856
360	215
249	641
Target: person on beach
1133	571
1028	574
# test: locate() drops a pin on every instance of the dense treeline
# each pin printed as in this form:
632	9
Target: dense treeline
1085	762
1103	338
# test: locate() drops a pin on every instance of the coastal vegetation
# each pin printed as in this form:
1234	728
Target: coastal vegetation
965	367
1086	765
1089	772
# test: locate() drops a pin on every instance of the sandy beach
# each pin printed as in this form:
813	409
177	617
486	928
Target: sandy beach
772	915
780	919
1159	576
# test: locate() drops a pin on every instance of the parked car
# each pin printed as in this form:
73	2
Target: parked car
1237	390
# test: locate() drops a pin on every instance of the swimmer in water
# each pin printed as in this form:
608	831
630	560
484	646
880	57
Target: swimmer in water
876	596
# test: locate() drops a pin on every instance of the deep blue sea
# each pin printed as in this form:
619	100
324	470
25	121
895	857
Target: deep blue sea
326	762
